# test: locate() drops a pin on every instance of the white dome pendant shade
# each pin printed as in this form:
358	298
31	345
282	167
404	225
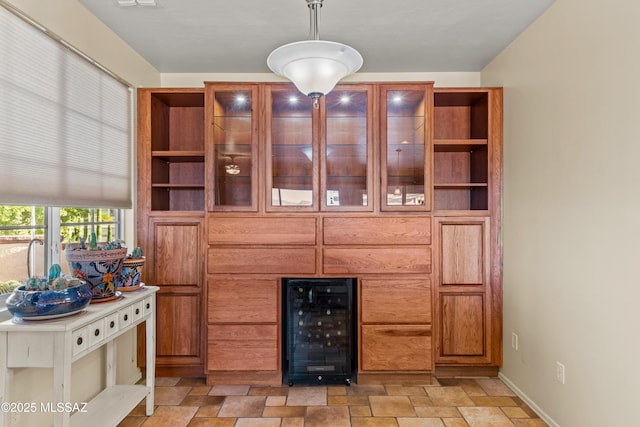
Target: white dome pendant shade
314	66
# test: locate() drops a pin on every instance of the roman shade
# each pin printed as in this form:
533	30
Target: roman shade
65	124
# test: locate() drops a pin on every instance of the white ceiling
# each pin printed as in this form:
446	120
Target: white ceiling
236	36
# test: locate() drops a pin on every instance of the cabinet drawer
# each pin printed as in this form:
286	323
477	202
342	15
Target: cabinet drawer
242	301
96	332
147	305
111	324
242	348
261	231
377	231
262	260
125	317
408	259
137	311
79	340
396	348
395	301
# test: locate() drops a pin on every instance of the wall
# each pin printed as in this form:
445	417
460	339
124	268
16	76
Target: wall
469	79
71	21
572	210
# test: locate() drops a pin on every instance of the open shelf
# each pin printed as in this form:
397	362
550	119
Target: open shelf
461	157
177	151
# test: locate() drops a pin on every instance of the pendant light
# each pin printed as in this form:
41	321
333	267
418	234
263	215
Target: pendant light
315	66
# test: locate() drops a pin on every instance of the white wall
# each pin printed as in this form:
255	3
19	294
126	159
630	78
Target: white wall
459	79
72	22
572	210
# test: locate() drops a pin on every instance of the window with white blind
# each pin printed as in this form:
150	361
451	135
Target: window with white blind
65	124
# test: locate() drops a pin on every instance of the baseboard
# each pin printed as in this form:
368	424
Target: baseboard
545	417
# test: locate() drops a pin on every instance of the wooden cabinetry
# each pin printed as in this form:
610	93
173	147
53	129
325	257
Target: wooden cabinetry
405	133
396	184
232	128
332	142
463	290
395	328
171	149
467	145
467	252
243	330
170	222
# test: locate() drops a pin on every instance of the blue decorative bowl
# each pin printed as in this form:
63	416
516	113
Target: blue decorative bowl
43	305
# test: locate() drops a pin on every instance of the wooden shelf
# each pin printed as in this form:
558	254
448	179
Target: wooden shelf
458	144
111	406
461	185
179	156
167	185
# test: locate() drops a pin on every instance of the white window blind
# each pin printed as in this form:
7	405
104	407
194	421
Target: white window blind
65	124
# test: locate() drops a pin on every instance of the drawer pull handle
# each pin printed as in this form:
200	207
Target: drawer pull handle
112	324
96	332
79	341
148	306
126	317
137	311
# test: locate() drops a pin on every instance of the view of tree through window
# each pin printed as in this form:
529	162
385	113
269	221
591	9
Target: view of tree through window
20	225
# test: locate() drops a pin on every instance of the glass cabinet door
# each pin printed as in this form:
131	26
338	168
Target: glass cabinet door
346	154
234	134
406	147
292	149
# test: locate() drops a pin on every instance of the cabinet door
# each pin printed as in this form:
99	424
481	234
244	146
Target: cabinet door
346	157
406	136
176	252
463	254
175	264
232	118
463	309
462	325
179	331
292	150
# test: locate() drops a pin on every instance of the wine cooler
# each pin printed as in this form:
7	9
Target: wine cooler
319	337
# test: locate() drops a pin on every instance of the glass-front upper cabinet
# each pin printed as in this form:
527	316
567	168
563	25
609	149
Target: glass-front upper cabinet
346	161
232	119
406	136
292	149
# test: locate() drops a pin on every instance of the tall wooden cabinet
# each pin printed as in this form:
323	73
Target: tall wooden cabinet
170	224
468	253
395	184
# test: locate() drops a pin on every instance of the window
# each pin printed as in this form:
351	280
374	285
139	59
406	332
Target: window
52	228
65	134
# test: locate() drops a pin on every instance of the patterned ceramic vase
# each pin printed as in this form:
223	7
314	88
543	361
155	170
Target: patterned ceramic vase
131	273
100	268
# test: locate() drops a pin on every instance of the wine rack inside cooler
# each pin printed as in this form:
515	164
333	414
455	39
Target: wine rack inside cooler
319	336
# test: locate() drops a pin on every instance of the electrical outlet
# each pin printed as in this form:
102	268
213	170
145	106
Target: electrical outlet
560	372
514	341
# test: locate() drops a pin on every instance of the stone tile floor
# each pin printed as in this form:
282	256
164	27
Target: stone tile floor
473	402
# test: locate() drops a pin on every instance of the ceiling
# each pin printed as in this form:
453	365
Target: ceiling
225	36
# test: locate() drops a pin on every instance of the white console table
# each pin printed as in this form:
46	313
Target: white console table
57	343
